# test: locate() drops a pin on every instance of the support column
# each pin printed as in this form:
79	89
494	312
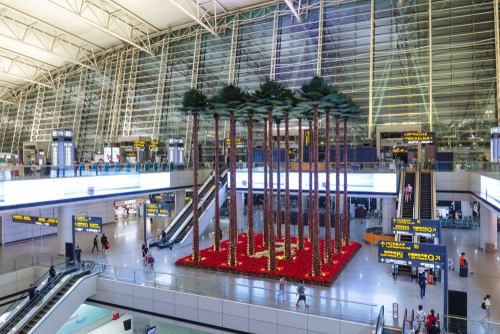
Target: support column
64	227
240	216
388	212
139	324
379	205
180	200
488	229
497	53
372	46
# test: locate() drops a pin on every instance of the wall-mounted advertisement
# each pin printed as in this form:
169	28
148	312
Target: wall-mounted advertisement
50	190
490	190
107	154
385	183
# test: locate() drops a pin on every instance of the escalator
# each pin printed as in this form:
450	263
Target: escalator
175	233
408	206
24	313
425	196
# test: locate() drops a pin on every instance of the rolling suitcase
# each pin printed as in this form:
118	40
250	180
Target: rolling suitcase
463	271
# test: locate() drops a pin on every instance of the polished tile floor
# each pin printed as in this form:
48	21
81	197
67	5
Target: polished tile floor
364	280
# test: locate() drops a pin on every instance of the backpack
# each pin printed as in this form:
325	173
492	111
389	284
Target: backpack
422	283
298	289
483	305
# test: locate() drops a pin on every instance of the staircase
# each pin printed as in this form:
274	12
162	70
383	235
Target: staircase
408	207
425	196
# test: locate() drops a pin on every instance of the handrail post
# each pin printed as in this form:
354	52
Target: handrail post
134	276
15	267
38	259
154	279
176	289
51	260
223	290
199	287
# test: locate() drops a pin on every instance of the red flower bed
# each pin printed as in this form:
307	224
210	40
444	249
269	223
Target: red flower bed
295	270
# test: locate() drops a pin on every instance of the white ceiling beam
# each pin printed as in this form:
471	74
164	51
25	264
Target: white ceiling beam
138	18
198	14
103	20
293	10
18	68
17	54
8	92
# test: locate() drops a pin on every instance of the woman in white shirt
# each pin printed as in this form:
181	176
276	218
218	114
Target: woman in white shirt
487	305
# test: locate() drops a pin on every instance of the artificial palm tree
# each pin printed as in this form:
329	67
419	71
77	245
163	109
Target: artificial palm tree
278	119
266	191
217	205
268	96
311	94
300	221
195	103
310	217
231	98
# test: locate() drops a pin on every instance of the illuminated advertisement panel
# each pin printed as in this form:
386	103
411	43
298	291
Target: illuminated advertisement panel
359	182
35	191
490	190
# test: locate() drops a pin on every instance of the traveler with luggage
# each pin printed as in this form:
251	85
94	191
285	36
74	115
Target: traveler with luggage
104	242
486	304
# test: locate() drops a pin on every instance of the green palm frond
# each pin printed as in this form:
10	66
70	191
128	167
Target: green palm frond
194	102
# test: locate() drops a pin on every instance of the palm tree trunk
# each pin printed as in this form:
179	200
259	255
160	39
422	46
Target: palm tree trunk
310	213
196	234
278	176
288	250
328	230
217	206
232	209
338	228
250	247
345	229
272	240
300	221
316	270
266	176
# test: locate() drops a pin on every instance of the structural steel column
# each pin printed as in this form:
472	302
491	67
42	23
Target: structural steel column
372	45
430	65
18	125
388	212
129	106
102	105
3	126
56	115
37	115
232	57
161	88
497	55
194	83
319	63
274	51
80	100
117	96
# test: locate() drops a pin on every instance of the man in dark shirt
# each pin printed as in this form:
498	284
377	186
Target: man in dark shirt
31	291
433	329
78	254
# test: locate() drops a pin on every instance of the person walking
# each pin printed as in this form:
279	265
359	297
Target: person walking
420	316
486	306
32	291
95	245
282	288
410	190
104	240
78	254
52	273
422	281
433	329
145	250
302	295
429	319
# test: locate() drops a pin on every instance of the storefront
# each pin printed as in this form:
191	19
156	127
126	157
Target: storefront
130	208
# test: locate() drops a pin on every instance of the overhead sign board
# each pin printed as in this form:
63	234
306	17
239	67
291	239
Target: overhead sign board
139	143
87	224
34	220
157	210
153	144
240	142
61	133
421	227
176	141
419	137
410	254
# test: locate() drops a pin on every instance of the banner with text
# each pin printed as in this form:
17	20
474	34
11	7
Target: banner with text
410	254
421	227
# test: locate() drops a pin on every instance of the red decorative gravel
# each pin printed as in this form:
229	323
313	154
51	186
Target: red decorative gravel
295	270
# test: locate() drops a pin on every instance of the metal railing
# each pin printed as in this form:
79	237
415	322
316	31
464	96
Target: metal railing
29	260
379	327
90	169
352	167
321	306
457	325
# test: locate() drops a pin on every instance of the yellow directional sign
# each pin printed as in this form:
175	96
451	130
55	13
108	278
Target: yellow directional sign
422	227
407	253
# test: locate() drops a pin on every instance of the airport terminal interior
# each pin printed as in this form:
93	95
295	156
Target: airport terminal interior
249	166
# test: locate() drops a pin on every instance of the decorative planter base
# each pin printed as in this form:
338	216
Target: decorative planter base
256	266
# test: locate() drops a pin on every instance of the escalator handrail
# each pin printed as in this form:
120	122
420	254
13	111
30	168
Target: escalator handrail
417	185
40	292
401	193
84	268
405	322
379	327
205	183
433	195
188	223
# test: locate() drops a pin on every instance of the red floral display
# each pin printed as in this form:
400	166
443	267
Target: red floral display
295	270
